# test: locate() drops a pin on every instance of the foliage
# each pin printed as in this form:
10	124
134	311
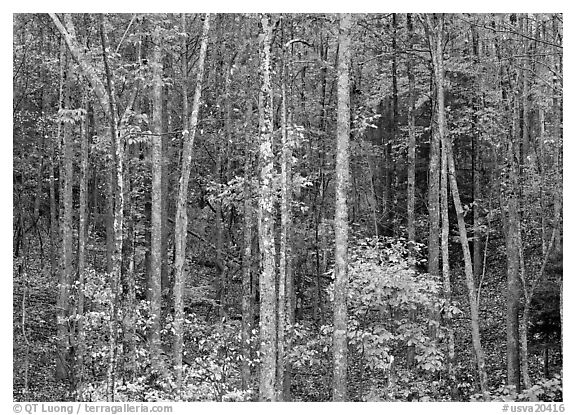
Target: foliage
543	390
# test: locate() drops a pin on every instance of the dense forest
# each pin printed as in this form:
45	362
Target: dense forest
287	207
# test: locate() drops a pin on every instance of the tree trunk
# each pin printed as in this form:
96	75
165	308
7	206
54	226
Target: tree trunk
411	190
155	277
393	175
411	135
285	276
54	228
476	160
446	263
247	304
181	223
82	234
117	148
434	202
512	251
266	216
435	37
66	275
340	341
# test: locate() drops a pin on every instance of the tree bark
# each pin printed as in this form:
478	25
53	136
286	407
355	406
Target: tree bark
82	234
247	304
181	223
340	341
450	361
285	277
266	214
411	134
117	148
434	202
155	277
512	233
435	37
66	274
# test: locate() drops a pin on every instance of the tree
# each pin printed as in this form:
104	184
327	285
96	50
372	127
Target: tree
411	135
435	34
285	266
247	303
268	291
65	278
181	222
340	343
155	277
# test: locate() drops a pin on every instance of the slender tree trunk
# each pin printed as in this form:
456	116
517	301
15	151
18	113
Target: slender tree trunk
435	36
82	234
411	135
54	228
155	277
476	160
523	323
247	304
340	341
434	202
285	277
118	157
557	122
393	175
221	284
109	215
128	282
513	223
268	292
411	190
181	223
166	285
66	275
446	262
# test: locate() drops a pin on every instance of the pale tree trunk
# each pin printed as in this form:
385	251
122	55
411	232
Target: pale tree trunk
118	157
434	203
450	361
411	135
155	277
129	284
411	189
558	137
513	260
247	304
435	37
82	234
221	284
284	280
106	98
433	180
66	275
54	231
266	216
109	214
340	341
523	323
181	223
